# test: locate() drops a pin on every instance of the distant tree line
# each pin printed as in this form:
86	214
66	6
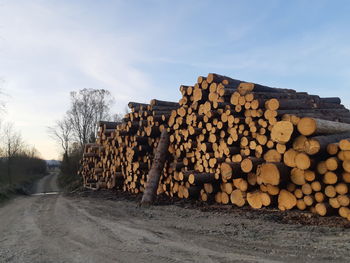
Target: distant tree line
18	162
79	125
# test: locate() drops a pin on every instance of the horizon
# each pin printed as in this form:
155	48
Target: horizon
48	49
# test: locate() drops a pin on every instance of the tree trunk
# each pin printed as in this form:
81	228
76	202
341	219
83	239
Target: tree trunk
157	167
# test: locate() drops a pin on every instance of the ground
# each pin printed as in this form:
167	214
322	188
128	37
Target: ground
105	227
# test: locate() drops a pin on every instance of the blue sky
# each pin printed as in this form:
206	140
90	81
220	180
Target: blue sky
141	50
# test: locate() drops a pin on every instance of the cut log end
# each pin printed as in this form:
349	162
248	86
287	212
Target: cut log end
282	132
307	126
286	200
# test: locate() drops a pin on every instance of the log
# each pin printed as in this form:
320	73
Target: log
330	178
340	112
246	87
201	178
132	104
323	209
250	164
297	176
289	157
306	103
332	163
155	102
272	155
238	198
343	200
344	145
319	197
282	131
272	173
332	148
344	212
254	199
157	167
286	200
240	184
301	204
279	95
318	144
346	165
334	100
108	124
341	188
309	126
302	161
330	191
213	77
285	104
169	108
333	202
225	199
230	170
192	191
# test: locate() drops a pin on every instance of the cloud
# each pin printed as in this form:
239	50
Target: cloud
145	50
45	56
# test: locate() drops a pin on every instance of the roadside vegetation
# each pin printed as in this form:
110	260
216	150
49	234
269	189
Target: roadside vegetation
20	165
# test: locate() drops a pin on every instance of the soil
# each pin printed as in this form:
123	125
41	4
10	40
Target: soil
110	226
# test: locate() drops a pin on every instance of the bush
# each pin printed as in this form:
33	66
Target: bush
69	178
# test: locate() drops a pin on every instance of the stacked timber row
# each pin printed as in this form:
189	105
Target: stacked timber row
227	131
241	143
98	167
123	152
137	137
319	176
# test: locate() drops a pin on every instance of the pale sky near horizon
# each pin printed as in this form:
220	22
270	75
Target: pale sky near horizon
141	50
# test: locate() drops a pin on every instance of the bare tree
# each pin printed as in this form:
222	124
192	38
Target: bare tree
117	117
88	107
13	144
32	152
12	140
62	132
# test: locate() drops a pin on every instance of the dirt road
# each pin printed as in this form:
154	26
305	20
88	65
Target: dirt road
58	228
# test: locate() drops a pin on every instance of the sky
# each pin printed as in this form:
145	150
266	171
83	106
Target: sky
140	50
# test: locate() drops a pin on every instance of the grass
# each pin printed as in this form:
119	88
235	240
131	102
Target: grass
69	182
21	184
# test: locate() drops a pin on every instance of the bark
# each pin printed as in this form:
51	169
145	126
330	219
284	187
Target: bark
213	77
308	126
138	105
157	168
155	102
318	144
201	178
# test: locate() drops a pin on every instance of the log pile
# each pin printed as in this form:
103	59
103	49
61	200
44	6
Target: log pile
123	154
233	142
98	168
137	137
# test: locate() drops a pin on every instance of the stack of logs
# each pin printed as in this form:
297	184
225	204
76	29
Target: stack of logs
123	152
233	142
97	165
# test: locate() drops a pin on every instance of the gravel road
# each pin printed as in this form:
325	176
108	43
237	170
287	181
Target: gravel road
74	228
